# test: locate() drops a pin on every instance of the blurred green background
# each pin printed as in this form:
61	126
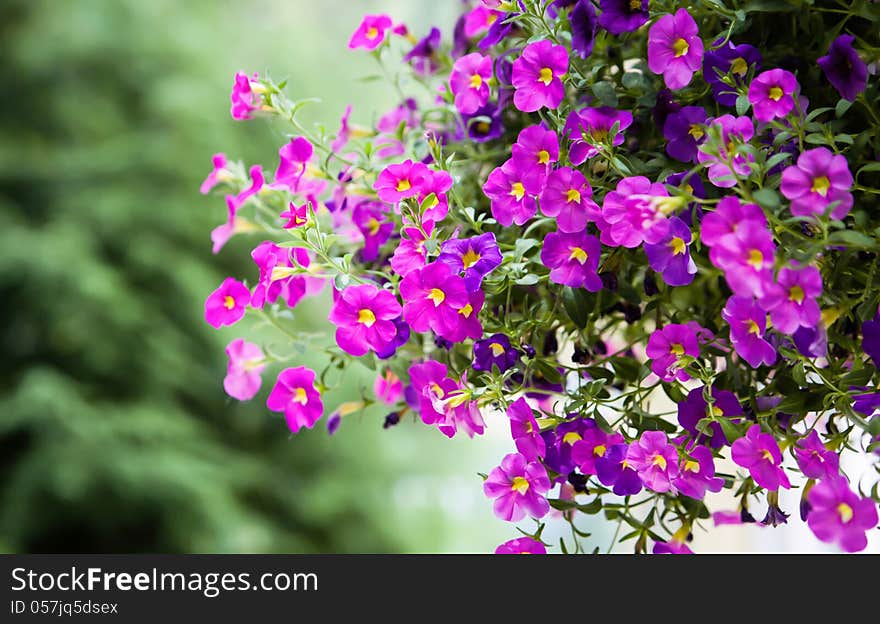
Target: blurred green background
115	433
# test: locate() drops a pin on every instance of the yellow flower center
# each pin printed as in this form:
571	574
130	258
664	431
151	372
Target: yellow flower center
545	76
520	485
696	131
756	258
717	411
517	190
372	32
677	245
571	437
476	81
680	46
437	296
467	310
373	226
497	349
599	450
659	460
578	254
403	185
573	195
821	185
482	127
543	157
691	466
490	19
775	94
754	329
635	5
796	294
366	316
739	66
676	349
766	454
470	258
846	512
299	396
228	302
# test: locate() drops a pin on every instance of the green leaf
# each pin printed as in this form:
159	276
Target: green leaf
767	198
604	91
842	107
742	105
851	238
731	431
632	80
529	279
575	303
627	369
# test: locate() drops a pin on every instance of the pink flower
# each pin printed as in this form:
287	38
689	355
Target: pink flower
371	32
668	346
275	282
438	401
537	76
759	453
396	182
839	515
791	301
410	253
227	304
697	474
512	194
567	196
819	179
535	150
589	129
573	259
734	131
434	298
364	316
479	20
656	461
436	182
244	99
814	460
519	488
388	388
748	322
635	212
521	545
256	185
295	395
292	161
246	362
297	216
525	431
469	82
675	48
726	218
771	94
746	256
591	447
219	162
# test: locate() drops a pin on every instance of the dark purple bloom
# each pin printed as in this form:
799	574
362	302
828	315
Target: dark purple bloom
814	460
685	130
732	59
844	68
371	219
422	54
477	257
584	24
560	441
775	516
620	16
871	339
498	31
612	470
694	408
811	342
866	403
497	350
485	123
671	257
759	453
399	339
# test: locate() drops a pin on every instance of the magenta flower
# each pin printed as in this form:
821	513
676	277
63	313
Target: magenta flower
469	82
292	161
388	387
437	401
256	185
839	515
271	260
519	487
371	220
567	196
748	322
635	212
479	19
675	48
521	545
246	362
535	150
295	395
537	76
371	32
433	297
411	253
792	300
746	256
844	69
656	461
771	94
734	131
814	460
476	257
512	194
667	347
525	431
671	257
244	98
297	216
227	304
672	547
436	182
591	447
219	162
726	218
573	259
697	474
589	129
364	316
760	455
819	179
396	182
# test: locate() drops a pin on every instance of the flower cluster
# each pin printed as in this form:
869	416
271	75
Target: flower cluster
649	243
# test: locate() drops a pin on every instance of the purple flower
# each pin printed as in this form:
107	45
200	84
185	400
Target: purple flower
760	455
613	471
497	350
485	123
511	194
871	339
684	130
295	394
671	257
675	48
748	322
521	546
656	461
370	219
811	342
535	150
589	129
477	257
422	56
635	212
731	59
819	179
434	297
866	403
560	441
734	131
727	217
584	24
537	76
469	82
620	16
746	256
246	363
792	300
697	474
364	317
668	346
525	431
771	94
814	460
573	259
844	68
567	196
593	444
518	487
839	515
694	408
